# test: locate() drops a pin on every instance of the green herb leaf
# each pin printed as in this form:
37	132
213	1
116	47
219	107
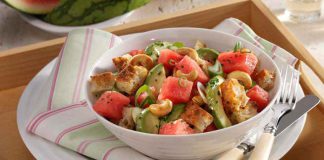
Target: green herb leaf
178	44
237	46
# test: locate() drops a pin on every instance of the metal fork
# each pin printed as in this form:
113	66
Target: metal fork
284	103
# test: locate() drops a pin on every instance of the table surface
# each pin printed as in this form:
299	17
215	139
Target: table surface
309	145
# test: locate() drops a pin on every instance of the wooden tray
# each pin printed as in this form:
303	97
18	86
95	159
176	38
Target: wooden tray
19	65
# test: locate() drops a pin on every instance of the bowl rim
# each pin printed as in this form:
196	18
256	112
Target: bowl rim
192	29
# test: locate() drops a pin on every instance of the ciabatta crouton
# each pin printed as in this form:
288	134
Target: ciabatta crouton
131	78
121	62
197	116
102	82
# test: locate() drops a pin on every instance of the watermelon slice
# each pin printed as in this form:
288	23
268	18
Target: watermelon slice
34	6
177	90
186	65
237	61
178	127
111	105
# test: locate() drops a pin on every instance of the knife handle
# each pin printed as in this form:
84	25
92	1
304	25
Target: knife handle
233	154
263	147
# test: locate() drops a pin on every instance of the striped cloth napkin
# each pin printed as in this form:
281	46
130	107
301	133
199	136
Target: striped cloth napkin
67	120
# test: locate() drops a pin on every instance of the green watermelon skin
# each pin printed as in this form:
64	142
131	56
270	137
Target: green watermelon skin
85	12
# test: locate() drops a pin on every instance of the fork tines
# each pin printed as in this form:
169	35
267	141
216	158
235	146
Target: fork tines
290	81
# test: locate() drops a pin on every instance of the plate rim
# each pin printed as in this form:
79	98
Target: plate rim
56	29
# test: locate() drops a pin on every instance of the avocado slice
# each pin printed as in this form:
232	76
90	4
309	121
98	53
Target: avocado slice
175	114
156	77
147	122
215	103
153	50
136	111
177	110
208	54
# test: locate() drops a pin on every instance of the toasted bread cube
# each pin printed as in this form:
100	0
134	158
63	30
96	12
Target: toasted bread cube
245	113
127	120
102	82
265	79
234	95
121	62
197	116
131	78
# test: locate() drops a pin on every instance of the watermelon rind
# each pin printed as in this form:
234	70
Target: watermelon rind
85	12
32	8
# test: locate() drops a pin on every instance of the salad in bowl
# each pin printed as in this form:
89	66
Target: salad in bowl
169	88
183	93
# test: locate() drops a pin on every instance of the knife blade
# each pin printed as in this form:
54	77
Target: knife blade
302	106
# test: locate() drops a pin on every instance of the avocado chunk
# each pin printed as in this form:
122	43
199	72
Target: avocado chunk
147	122
153	50
177	110
175	114
156	77
215	103
208	54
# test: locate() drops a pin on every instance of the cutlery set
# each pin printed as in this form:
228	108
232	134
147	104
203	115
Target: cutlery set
287	110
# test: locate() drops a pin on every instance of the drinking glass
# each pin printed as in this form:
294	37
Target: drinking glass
303	10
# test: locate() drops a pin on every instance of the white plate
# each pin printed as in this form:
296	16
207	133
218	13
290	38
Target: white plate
36	22
32	102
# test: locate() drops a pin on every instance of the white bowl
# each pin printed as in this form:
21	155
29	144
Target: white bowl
196	146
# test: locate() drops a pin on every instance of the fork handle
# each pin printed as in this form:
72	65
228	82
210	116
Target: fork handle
233	154
263	147
238	152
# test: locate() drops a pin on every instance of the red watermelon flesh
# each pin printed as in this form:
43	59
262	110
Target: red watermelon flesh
237	61
175	89
186	65
111	105
34	6
169	58
259	96
178	127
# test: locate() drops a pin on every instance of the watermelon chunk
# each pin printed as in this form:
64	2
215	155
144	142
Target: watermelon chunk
111	104
34	6
178	127
237	61
169	58
259	96
177	90
186	65
210	128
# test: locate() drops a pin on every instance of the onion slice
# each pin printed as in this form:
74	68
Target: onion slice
202	91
